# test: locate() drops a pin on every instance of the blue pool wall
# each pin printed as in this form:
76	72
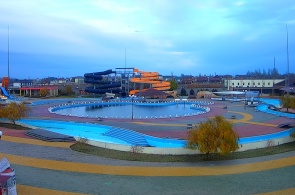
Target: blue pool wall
200	106
173	146
264	107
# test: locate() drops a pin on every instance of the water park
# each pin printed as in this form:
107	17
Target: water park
124	81
112	130
166	134
138	113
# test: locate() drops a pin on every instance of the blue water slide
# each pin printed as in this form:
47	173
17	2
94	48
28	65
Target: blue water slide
100	86
4	92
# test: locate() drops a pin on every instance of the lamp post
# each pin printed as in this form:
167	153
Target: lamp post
184	100
132	100
77	91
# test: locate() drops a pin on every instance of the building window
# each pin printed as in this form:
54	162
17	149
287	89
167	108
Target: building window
268	83
248	84
243	84
238	83
258	83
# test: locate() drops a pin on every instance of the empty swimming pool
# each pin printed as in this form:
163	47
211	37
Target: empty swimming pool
135	110
114	135
102	133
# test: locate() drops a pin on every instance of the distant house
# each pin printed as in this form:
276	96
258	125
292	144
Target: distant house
17	83
202	79
46	81
61	81
172	78
187	79
35	90
79	79
215	79
166	78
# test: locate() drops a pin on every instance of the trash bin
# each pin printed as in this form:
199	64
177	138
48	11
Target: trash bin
7	185
3	185
7	178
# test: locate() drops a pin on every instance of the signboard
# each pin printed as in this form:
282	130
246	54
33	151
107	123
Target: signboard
4	164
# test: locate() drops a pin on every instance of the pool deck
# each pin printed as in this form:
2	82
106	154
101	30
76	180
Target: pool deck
53	168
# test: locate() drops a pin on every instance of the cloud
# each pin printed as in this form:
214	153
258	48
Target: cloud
197	35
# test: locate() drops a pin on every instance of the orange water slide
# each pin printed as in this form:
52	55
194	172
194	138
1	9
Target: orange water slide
150	78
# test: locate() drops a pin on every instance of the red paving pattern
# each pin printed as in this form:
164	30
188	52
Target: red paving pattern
245	130
280	121
254	130
15	133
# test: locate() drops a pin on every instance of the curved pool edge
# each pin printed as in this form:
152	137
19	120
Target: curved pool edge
254	142
200	107
186	151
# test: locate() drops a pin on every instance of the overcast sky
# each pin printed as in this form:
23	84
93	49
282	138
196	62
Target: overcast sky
64	38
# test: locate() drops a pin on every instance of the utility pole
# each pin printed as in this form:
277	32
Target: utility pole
8	71
287	77
274	74
125	58
8	53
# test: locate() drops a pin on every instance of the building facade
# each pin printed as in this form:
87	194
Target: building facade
267	86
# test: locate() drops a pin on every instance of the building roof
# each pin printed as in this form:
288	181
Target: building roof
39	88
151	92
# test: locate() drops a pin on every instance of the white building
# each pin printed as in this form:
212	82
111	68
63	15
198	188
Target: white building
263	85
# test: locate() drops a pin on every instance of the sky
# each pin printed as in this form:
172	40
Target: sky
192	37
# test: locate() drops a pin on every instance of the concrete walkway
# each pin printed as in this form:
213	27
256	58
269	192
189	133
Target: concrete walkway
53	168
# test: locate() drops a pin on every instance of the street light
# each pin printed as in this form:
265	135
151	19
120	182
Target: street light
185	100
132	100
77	91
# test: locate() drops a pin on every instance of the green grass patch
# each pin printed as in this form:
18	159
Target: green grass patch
13	126
138	156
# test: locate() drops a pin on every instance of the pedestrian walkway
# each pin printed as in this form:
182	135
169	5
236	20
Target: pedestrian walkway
151	170
53	168
68	164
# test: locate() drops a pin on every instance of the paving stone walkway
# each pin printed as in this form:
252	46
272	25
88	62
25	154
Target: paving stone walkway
53	168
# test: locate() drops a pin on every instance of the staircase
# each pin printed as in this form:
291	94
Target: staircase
49	136
131	137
